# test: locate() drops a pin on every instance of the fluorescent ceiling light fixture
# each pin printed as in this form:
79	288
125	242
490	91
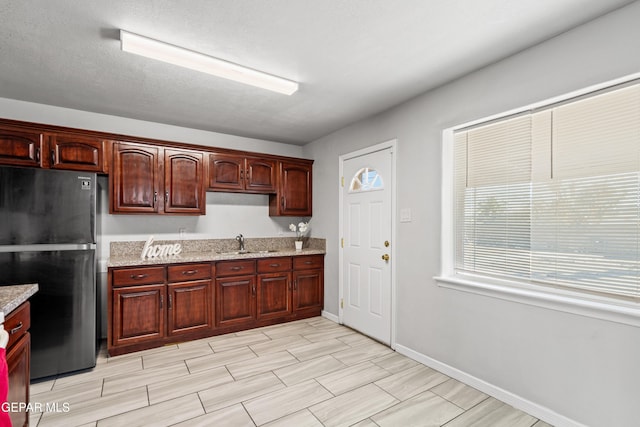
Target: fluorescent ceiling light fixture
154	49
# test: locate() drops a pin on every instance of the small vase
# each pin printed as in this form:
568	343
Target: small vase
298	245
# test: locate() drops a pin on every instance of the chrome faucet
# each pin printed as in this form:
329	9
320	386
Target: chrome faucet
240	239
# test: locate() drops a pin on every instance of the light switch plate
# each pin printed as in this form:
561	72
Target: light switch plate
405	215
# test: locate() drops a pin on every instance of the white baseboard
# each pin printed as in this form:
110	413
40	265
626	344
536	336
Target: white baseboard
532	408
330	316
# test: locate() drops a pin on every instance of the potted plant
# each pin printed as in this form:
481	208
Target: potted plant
300	230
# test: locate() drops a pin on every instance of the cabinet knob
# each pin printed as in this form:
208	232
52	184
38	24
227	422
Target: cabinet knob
53	157
139	276
189	272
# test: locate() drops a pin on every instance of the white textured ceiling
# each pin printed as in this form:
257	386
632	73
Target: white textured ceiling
353	58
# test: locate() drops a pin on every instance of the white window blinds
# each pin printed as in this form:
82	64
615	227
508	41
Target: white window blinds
553	196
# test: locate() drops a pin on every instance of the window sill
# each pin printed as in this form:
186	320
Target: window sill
627	313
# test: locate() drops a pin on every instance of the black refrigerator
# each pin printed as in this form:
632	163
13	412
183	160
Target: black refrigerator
48	236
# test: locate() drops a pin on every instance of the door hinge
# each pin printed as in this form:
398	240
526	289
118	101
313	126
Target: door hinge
341	303
342	242
342	181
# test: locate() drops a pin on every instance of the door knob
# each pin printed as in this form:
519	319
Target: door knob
385	257
386	243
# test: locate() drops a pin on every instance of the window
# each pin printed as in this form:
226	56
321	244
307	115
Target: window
550	198
366	179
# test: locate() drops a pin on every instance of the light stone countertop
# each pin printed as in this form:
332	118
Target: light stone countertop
13	295
127	254
132	261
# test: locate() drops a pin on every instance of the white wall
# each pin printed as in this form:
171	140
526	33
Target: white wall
567	365
227	214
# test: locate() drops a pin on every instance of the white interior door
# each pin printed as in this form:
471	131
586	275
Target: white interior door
367	230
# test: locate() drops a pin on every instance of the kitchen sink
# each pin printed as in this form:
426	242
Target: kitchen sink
246	252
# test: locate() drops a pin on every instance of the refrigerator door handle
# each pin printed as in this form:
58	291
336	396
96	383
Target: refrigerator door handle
48	247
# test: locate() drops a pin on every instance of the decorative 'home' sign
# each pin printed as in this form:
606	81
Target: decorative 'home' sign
153	251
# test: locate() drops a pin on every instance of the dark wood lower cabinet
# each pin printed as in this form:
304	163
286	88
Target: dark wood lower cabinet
199	300
17	323
189	305
18	363
308	290
139	313
236	300
273	295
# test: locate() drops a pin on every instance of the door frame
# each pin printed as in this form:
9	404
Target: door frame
342	181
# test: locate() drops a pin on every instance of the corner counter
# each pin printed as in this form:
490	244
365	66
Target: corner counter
12	296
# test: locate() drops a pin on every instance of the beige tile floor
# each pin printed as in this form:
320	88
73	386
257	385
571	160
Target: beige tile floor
311	372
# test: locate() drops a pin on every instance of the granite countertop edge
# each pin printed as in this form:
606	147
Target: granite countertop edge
129	261
12	296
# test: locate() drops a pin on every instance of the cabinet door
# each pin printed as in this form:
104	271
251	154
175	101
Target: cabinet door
189	307
135	179
138	314
260	175
226	172
236	301
76	152
21	148
294	191
308	292
18	364
273	295
183	183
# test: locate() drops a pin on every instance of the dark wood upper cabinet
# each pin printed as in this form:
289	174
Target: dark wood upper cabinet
294	190
151	179
183	182
260	175
76	152
21	147
237	173
149	176
225	172
135	179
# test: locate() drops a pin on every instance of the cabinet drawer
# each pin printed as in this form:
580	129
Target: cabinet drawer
18	323
138	276
187	272
232	268
270	265
308	262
